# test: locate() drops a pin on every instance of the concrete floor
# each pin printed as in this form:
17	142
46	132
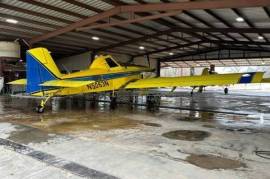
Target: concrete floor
216	139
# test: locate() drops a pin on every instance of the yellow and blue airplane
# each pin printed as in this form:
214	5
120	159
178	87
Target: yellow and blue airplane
43	77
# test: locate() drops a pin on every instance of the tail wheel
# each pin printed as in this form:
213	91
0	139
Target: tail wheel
226	91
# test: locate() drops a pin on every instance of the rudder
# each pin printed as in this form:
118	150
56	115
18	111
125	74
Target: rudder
40	68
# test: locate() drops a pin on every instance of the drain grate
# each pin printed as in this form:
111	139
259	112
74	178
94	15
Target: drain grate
52	160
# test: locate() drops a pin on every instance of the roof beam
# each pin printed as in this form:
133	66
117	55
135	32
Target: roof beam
214	57
186	30
129	21
217	4
209	49
226	44
240	42
76	3
170	48
207	24
195	5
225	22
222	30
246	20
37	14
181	55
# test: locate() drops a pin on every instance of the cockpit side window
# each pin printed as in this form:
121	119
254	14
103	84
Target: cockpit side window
111	63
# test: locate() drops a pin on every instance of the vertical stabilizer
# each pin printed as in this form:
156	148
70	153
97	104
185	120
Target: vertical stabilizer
40	68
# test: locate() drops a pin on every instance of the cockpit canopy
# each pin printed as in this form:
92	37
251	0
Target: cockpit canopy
104	62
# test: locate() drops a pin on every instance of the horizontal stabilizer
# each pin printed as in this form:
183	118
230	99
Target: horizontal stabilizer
66	83
18	82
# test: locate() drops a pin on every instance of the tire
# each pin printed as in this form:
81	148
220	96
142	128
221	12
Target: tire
226	91
39	109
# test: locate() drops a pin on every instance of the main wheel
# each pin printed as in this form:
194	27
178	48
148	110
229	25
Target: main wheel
226	91
39	109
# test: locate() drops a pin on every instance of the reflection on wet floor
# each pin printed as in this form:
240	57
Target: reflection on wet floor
214	162
189	135
95	121
151	124
26	135
68	122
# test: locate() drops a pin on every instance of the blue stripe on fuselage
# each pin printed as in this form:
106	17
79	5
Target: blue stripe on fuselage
104	77
246	78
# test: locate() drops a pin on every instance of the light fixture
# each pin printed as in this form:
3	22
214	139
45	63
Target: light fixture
260	37
12	21
240	19
198	65
263	63
141	47
171	53
95	38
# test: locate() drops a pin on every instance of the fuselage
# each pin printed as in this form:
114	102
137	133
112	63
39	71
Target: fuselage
104	80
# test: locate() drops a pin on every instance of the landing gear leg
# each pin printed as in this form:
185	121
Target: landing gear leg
226	91
192	91
200	89
41	106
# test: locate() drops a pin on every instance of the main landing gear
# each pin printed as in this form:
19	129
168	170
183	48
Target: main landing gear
192	91
41	106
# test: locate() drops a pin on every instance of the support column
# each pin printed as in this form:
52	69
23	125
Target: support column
192	71
158	68
113	103
81	102
94	100
56	104
152	102
69	103
1	67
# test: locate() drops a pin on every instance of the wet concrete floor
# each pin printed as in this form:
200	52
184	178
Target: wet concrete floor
165	143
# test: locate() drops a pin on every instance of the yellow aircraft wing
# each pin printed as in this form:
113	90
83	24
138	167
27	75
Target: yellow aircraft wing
18	82
266	80
66	83
204	80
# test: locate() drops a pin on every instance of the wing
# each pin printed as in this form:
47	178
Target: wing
204	80
18	82
66	83
266	80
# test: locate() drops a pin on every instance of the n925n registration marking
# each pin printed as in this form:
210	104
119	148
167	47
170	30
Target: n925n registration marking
98	84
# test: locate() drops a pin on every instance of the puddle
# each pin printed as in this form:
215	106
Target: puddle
189	119
70	123
26	135
208	126
189	135
198	116
151	124
76	123
241	130
214	162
